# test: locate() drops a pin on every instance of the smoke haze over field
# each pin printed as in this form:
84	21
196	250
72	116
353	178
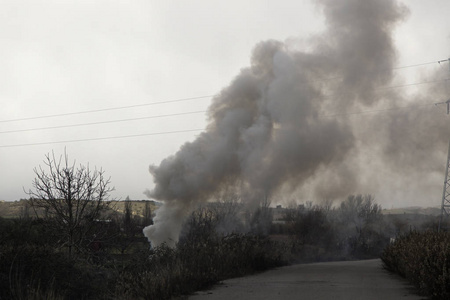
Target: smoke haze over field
271	132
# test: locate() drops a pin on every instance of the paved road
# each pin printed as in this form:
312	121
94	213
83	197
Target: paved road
363	280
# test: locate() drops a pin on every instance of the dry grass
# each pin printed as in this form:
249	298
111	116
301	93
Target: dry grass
424	259
15	209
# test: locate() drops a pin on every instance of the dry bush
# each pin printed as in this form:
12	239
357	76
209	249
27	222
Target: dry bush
201	259
424	259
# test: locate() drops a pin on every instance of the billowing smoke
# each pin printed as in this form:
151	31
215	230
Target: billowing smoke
284	124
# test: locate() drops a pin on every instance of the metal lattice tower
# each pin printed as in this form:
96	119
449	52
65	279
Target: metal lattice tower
445	206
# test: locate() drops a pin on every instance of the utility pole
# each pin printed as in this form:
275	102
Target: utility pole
445	205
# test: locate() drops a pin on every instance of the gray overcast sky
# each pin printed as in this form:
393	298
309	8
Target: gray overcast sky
60	57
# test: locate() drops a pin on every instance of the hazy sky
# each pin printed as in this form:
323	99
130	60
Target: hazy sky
63	57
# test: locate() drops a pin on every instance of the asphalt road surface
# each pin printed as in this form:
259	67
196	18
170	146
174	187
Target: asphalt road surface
319	281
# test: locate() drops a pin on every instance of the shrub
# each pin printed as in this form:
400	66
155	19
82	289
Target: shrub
31	267
195	264
424	259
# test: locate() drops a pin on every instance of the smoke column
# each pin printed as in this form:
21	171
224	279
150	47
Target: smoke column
276	128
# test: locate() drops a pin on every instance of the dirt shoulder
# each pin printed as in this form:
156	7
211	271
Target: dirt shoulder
333	280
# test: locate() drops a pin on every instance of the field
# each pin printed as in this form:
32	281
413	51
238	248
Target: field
14	209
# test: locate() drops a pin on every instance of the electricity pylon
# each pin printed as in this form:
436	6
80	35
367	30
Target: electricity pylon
445	206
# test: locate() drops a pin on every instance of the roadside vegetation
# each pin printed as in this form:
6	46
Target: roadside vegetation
355	229
68	241
423	258
121	265
220	240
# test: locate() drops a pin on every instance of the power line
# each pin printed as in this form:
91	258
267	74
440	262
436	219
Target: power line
396	68
393	87
100	138
421	64
103	122
105	109
378	110
203	111
193	130
160	116
412	84
193	98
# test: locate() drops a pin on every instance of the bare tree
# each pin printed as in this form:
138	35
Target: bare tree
24	209
364	215
360	210
127	215
227	209
261	220
72	198
129	227
147	215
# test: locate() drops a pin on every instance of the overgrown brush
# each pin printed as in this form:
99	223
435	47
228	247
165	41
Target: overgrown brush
424	259
31	267
196	264
39	272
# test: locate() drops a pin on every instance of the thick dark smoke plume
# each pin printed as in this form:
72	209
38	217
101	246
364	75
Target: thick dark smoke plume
284	124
